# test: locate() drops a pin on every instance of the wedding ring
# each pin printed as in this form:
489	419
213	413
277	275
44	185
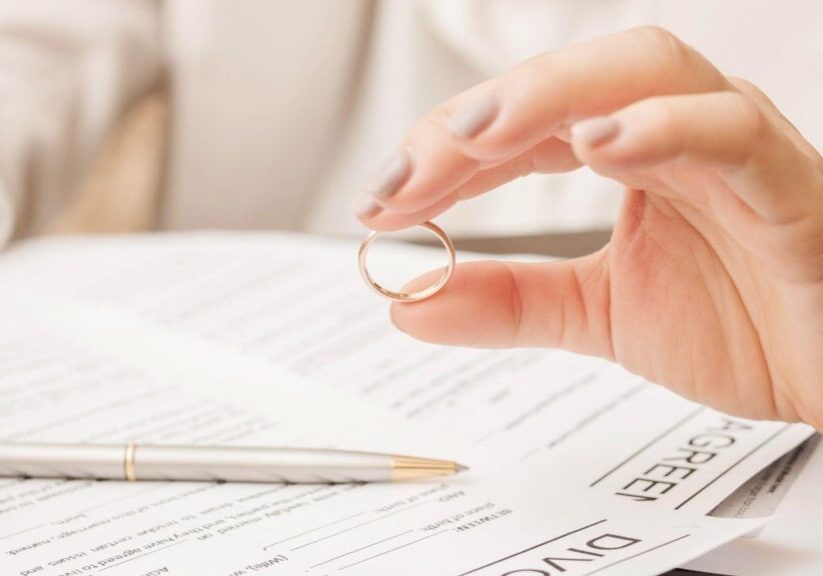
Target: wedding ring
409	296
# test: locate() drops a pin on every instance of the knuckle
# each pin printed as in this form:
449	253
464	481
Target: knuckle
664	114
516	306
657	34
745	86
750	119
673	61
664	43
751	90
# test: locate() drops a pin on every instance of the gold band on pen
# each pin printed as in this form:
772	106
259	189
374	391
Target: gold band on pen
408	468
409	296
128	462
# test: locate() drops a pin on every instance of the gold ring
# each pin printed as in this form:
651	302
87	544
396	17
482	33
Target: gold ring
409	296
131	473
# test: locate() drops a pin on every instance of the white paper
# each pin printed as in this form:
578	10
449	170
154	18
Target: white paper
299	305
53	388
790	543
273	340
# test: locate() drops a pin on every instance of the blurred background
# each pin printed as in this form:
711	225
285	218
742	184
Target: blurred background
132	115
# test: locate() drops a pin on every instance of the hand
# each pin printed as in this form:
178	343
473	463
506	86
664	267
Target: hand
712	283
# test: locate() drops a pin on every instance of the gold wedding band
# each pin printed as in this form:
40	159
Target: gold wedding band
408	296
128	461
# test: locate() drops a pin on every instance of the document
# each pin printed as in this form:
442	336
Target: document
789	544
273	340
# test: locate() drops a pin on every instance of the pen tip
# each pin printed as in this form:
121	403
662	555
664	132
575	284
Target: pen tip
407	468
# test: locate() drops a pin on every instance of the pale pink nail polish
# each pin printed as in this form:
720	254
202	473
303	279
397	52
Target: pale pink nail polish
596	131
364	205
391	176
475	117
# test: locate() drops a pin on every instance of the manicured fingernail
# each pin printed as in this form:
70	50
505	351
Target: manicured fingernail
470	121
596	131
364	205
391	176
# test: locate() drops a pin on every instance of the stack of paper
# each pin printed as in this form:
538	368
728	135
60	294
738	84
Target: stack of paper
577	466
788	491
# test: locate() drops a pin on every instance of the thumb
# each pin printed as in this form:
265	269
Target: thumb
501	304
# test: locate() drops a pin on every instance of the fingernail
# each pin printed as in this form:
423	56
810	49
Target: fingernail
391	176
364	205
470	121
596	131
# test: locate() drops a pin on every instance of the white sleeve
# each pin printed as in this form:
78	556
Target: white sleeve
67	71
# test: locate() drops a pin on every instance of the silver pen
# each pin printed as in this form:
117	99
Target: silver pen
133	462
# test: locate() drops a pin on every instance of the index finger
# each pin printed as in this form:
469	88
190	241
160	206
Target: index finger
506	116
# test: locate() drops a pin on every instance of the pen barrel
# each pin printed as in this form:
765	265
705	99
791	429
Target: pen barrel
64	461
244	464
193	463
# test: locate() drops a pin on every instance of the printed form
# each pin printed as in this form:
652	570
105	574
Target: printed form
577	466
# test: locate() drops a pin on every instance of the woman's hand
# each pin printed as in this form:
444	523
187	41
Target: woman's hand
712	283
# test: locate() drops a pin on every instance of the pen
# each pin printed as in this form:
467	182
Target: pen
135	462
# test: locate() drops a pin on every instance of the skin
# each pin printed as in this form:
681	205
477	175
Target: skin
712	283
